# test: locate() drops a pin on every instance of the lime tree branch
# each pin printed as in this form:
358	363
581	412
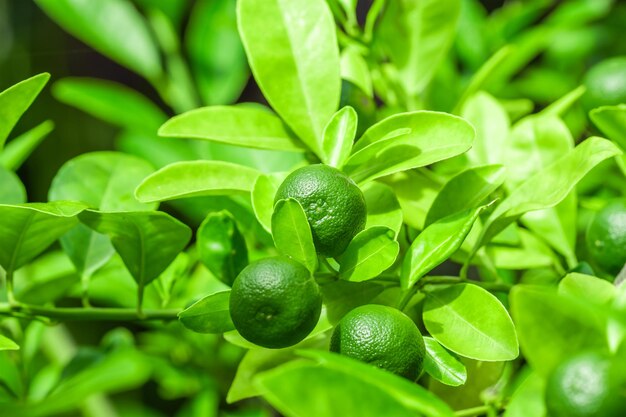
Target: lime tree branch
85	314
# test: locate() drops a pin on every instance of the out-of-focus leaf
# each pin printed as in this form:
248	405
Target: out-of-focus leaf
7	344
528	398
588	288
354	69
12	190
20	148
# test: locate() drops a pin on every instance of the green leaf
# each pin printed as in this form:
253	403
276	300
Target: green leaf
104	181
408	140
611	120
405	392
549	186
370	253
251	126
28	229
292	50
383	208
292	233
552	326
196	178
471	322
20	148
217	57
112	27
435	244
12	190
465	190
221	247
210	314
338	137
532	253
354	69
417	35
7	344
340	297
491	122
146	241
528	398
112	102
442	365
588	289
15	100
263	194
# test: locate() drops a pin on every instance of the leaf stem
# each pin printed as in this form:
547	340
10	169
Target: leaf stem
86	314
9	281
472	412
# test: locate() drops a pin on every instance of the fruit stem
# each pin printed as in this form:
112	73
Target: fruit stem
85	314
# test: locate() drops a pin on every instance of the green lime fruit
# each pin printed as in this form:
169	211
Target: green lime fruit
606	83
606	237
382	336
275	302
586	385
333	203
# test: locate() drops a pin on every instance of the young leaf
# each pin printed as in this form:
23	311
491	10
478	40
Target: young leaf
241	125
435	244
552	326
465	190
196	178
15	100
209	314
410	395
217	57
105	181
588	289
471	322
338	137
442	365
112	27
7	344
427	30
221	247
408	140
112	102
147	242
292	233
28	229
263	194
371	252
20	148
292	50
550	185
12	190
383	208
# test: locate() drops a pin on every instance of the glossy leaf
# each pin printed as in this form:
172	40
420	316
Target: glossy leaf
573	326
12	190
417	35
383	208
587	288
221	247
410	395
338	137
442	365
370	253
147	242
491	122
435	244
286	41
242	125
112	102
471	322
210	314
217	57
196	178
104	181
408	140
28	229
7	344
20	148
292	233
466	190
549	186
15	100
263	194
112	27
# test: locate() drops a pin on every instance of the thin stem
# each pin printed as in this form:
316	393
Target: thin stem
140	312
406	297
86	314
472	412
10	295
327	264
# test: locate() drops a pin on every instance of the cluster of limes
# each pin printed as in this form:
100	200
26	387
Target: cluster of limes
276	302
